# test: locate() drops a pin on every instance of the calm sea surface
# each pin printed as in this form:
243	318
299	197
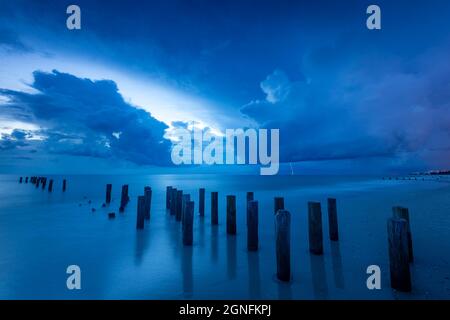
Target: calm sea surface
42	233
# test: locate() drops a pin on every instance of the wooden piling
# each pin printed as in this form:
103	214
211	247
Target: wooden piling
140	212
20	179
315	228
148	201
278	204
403	213
26	179
111	215
50	185
231	214
168	194
398	254
64	186
201	202
173	202
249	197
44	183
179	205
252	226
214	208
124	198
188	218
108	193
283	244
185	199
333	220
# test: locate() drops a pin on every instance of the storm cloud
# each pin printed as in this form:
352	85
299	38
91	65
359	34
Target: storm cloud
365	107
85	117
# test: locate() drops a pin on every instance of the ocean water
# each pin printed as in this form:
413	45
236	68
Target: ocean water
42	233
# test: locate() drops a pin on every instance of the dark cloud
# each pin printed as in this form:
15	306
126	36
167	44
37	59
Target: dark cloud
368	106
16	139
90	118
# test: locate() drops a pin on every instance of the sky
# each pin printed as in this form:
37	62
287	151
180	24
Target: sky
105	98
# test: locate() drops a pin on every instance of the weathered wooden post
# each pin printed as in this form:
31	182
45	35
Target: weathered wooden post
38	181
44	183
231	214
64	186
188	218
252	226
201	202
26	179
398	254
50	185
278	204
173	202
148	202
214	208
186	198
315	228
168	194
20	179
333	220
108	193
249	197
179	205
111	215
403	213
140	212
283	244
124	198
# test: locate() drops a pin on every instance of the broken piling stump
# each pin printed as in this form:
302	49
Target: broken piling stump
249	197
111	215
398	254
201	202
252	225
108	193
214	208
185	199
124	198
283	244
188	218
231	214
140	212
168	194
50	185
179	205
403	213
333	220
64	185
315	228
278	204
173	202
148	202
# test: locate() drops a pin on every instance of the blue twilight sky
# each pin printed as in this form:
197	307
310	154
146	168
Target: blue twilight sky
346	99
